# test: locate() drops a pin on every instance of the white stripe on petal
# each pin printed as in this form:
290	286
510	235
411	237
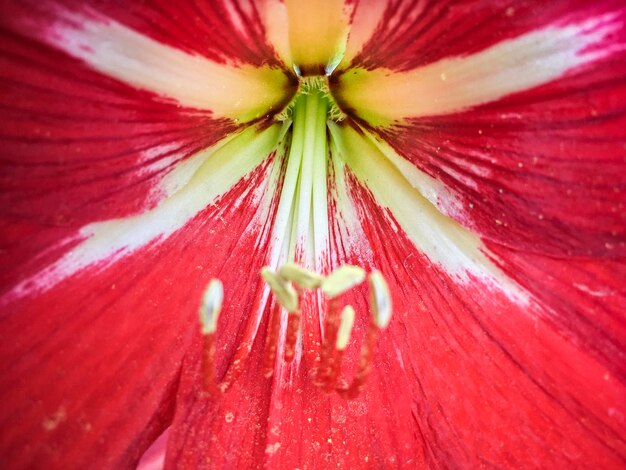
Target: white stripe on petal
239	92
455	84
110	240
440	238
431	188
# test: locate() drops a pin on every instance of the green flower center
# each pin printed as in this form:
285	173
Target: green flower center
309	86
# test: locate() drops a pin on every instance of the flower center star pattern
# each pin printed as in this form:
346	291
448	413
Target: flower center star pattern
402	225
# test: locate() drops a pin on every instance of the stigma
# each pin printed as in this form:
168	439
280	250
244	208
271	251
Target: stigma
286	285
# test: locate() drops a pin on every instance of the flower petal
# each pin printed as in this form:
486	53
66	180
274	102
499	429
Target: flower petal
174	74
407	34
78	148
484	344
437	236
480	364
85	155
586	299
96	358
565	195
450	85
284	420
108	241
318	30
462	361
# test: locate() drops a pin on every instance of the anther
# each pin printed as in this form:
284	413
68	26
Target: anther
342	279
209	314
337	329
333	350
211	306
282	290
380	306
380	299
300	276
345	328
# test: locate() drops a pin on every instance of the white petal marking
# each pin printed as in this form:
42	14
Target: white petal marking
110	240
244	92
431	188
347	227
440	238
181	173
455	84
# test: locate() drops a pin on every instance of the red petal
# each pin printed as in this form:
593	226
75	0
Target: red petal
82	148
496	382
286	421
542	169
460	378
79	147
220	29
487	356
584	300
96	359
539	175
411	33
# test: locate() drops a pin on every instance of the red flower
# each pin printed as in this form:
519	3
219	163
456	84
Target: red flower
474	152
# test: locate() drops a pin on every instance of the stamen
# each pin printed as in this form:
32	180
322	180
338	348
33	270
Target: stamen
209	314
293	326
286	296
380	299
337	329
345	328
342	279
380	306
211	306
300	276
331	327
282	290
365	364
271	342
208	363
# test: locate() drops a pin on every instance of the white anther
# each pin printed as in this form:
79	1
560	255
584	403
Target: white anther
302	277
282	290
211	306
345	328
342	279
380	299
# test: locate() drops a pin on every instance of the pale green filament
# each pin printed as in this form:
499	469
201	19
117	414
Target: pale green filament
303	212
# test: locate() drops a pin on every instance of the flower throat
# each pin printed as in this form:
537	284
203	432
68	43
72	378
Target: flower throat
301	230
